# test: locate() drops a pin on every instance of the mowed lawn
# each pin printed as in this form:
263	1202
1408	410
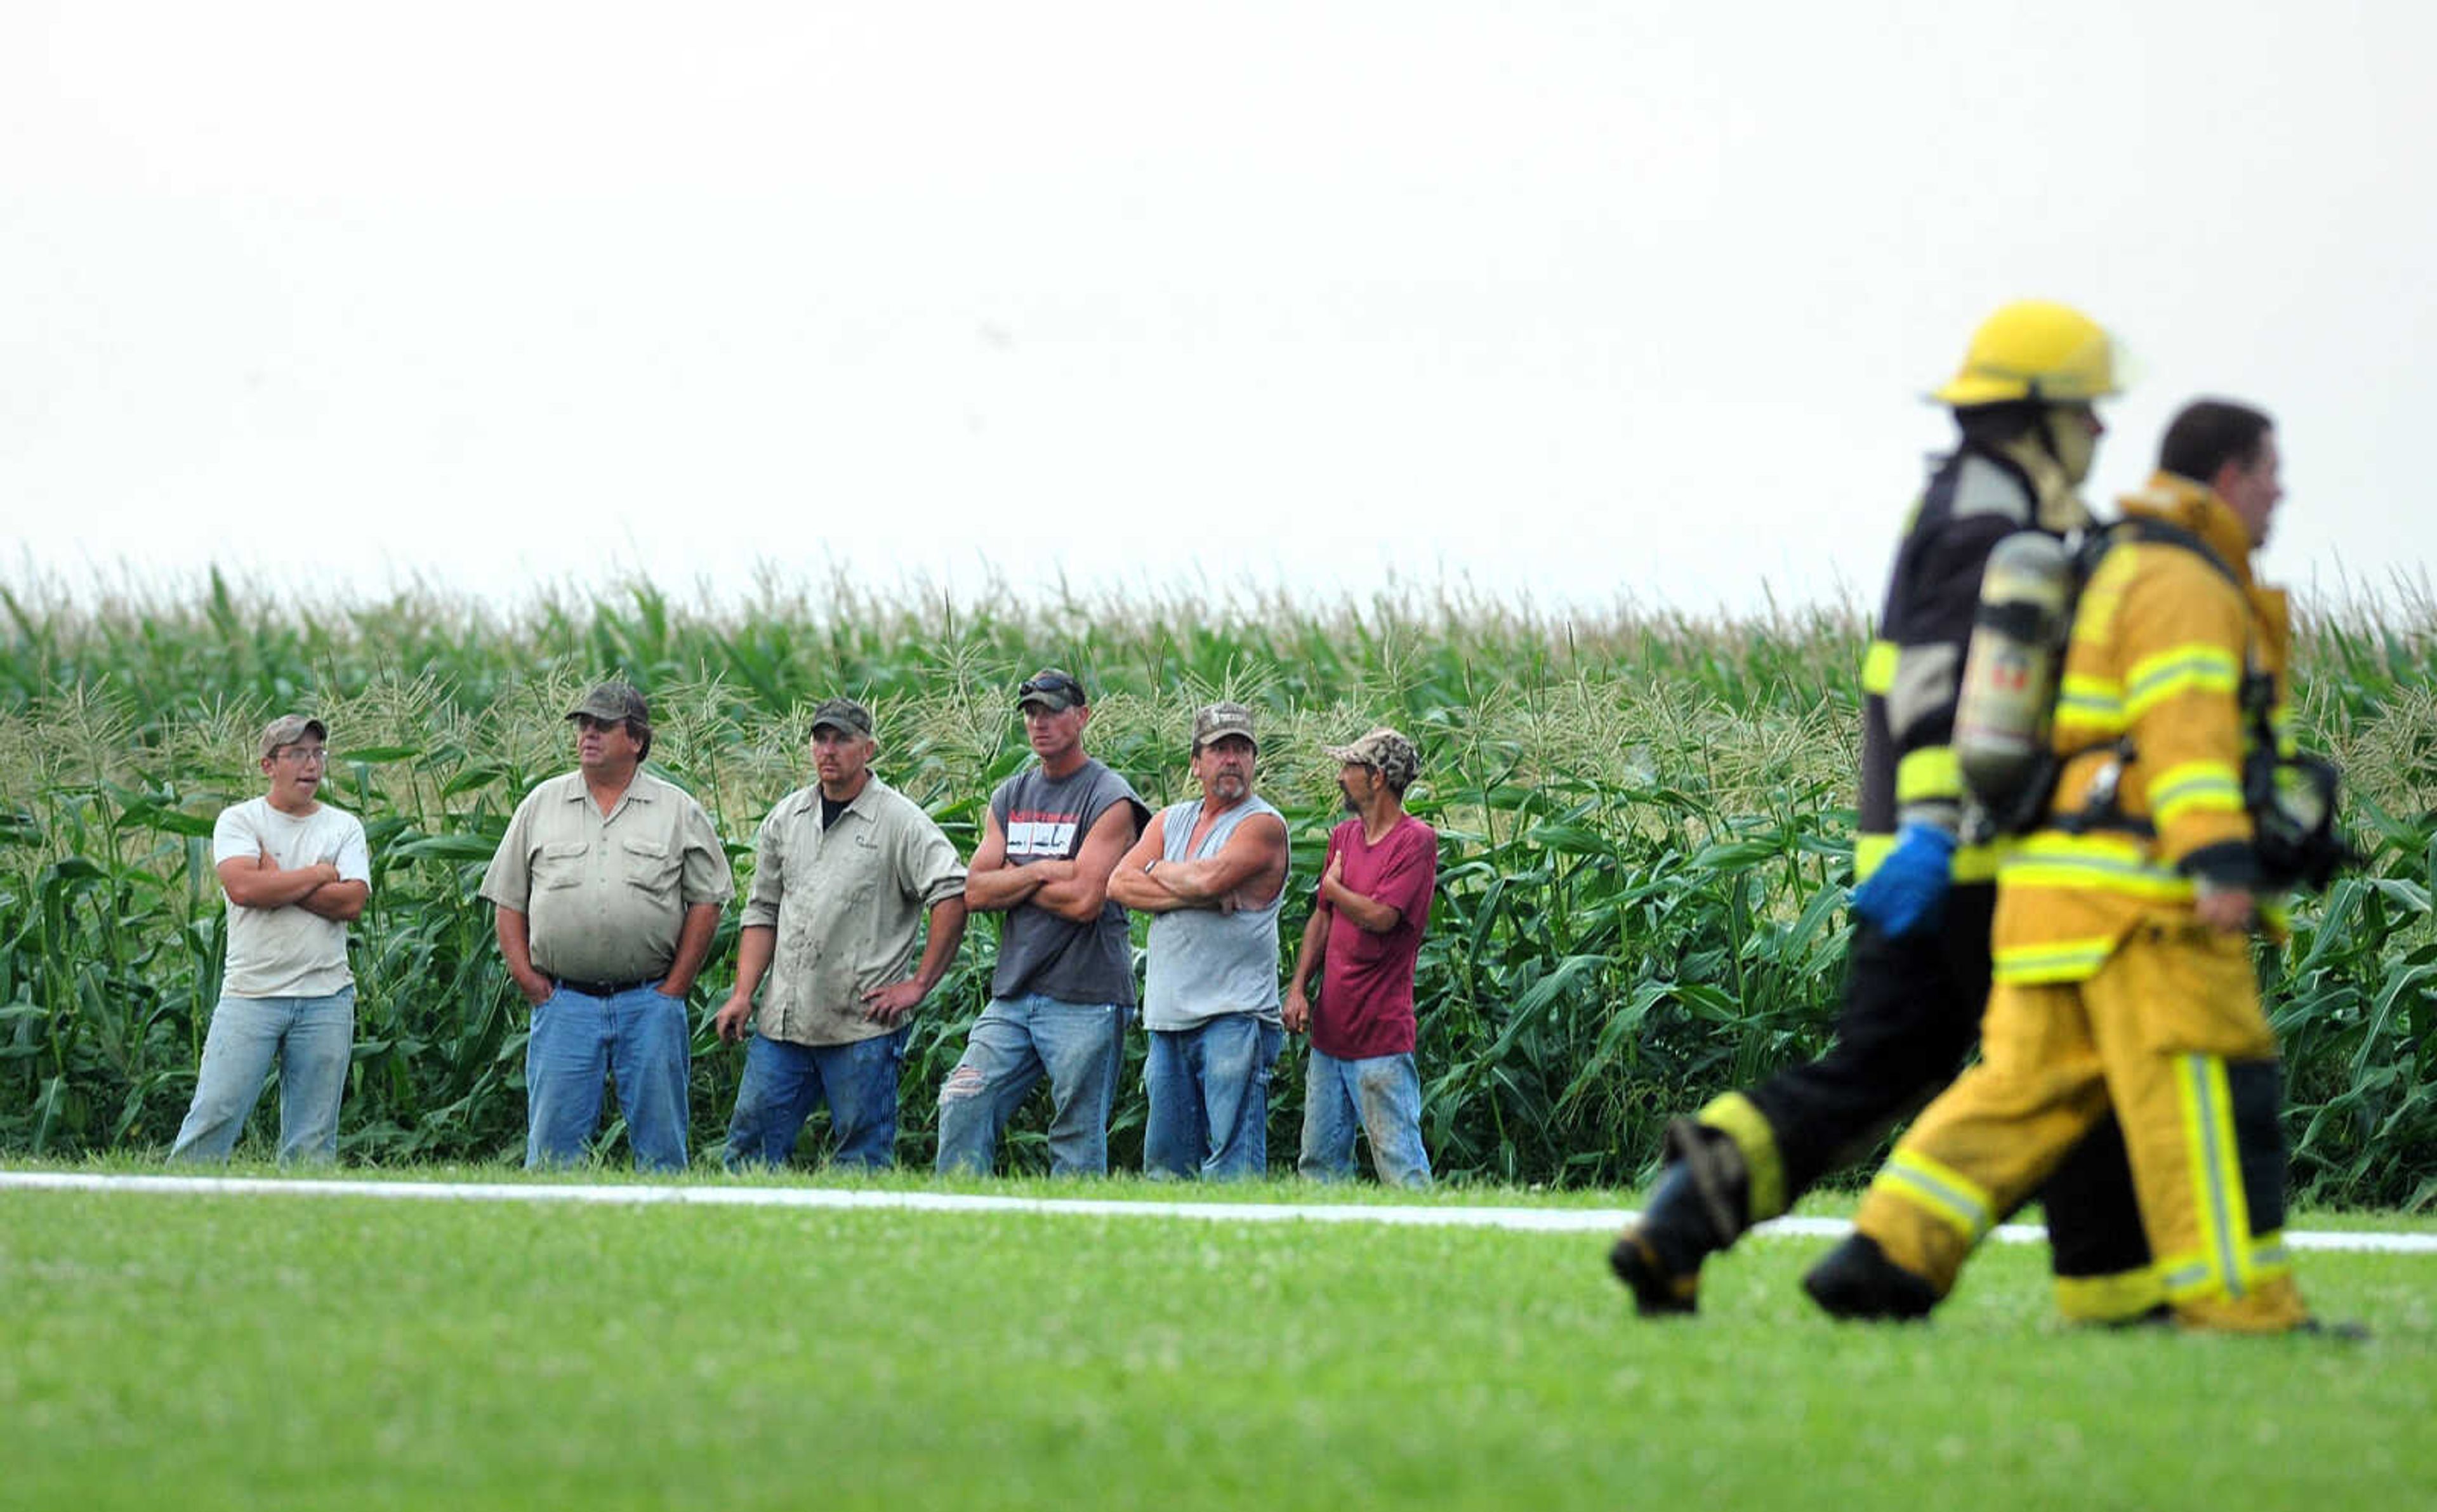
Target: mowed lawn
190	1352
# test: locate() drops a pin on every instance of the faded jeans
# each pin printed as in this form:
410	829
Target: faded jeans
1382	1094
640	1038
311	1038
1209	1089
783	1082
1016	1042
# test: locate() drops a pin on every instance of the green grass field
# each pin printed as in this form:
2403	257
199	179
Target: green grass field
266	1352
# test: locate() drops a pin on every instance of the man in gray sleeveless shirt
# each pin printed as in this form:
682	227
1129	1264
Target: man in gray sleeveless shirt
1210	872
1065	982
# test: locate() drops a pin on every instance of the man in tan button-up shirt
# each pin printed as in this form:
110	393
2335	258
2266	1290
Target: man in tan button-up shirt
607	888
845	870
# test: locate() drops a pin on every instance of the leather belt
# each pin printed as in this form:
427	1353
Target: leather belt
603	989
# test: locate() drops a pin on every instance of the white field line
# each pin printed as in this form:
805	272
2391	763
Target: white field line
1539	1220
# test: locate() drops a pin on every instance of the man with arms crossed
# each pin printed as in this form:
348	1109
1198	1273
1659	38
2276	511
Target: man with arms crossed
1065	982
844	872
607	888
1211	873
295	870
1364	936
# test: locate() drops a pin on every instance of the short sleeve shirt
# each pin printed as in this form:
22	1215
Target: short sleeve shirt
1366	984
605	896
1049	819
847	901
289	951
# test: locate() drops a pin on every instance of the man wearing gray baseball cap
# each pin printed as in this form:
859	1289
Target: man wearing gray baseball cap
295	871
845	871
606	891
1211	873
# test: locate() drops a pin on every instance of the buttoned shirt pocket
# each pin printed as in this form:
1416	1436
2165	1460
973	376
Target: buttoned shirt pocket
650	866
560	864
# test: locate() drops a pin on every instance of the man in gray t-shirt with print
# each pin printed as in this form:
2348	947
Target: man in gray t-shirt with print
295	871
1064	983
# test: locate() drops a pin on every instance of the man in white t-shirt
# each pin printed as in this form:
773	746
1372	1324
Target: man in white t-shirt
295	871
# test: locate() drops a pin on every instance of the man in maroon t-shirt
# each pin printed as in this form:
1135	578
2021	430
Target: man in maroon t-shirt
1365	932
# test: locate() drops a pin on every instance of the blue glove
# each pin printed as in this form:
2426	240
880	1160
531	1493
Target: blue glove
1908	891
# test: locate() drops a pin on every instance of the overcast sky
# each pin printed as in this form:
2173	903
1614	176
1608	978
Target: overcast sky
1578	301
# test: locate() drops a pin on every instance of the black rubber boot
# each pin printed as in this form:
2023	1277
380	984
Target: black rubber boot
1716	1164
1857	1280
1659	1255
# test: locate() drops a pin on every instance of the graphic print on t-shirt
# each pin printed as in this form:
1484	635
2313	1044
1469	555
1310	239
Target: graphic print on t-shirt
1033	834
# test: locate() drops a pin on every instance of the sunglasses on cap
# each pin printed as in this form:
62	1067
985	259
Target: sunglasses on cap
1065	688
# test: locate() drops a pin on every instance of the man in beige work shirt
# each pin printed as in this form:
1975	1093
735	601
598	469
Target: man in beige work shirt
845	870
608	887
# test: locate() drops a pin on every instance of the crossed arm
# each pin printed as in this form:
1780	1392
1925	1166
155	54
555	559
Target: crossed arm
1073	889
1247	871
259	882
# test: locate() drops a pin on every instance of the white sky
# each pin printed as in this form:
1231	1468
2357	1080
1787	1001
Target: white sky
1576	301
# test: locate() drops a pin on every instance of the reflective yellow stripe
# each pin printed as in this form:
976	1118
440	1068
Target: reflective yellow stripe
1941	1191
1929	773
2053	961
2195	786
1740	1119
1971	864
2090	704
2109	862
2188	668
1879	668
2214	1168
1978	863
2118	1298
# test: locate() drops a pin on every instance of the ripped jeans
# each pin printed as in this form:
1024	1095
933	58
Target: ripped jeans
1017	1041
1381	1095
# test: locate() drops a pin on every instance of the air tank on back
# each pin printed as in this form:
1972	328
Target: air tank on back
2010	676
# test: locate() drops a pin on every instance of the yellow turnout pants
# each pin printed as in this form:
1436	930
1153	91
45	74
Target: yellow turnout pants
2170	1031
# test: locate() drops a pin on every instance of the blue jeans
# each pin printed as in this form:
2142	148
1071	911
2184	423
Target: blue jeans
783	1082
1383	1093
311	1038
1015	1042
1209	1089
642	1039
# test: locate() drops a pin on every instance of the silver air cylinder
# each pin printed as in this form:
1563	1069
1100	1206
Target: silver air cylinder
2001	713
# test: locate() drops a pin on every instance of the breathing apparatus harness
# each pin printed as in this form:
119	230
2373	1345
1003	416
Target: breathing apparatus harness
2007	707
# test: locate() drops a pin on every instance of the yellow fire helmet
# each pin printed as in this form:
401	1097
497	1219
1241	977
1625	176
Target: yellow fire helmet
2033	349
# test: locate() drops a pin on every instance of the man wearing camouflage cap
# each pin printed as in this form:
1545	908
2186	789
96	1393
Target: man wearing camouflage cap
1211	873
844	872
1364	937
606	891
295	871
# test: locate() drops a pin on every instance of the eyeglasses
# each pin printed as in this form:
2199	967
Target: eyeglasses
1061	687
303	755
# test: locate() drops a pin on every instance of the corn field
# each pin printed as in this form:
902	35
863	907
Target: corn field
1645	822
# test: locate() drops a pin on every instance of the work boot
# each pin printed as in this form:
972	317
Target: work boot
1857	1280
1719	1177
1659	1255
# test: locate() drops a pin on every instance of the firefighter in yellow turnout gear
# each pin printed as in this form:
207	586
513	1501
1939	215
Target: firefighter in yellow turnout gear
1916	975
2123	970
